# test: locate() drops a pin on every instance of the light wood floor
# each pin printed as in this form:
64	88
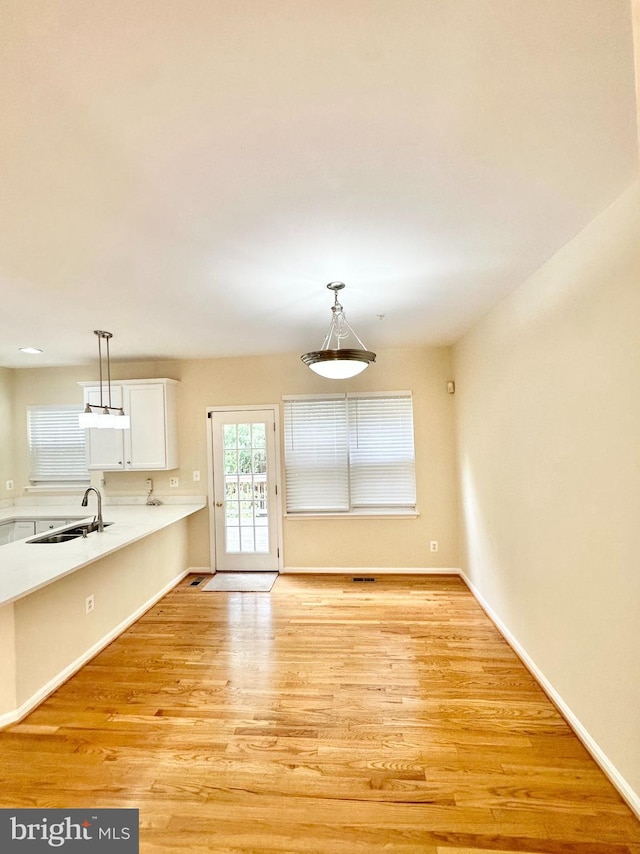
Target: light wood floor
325	716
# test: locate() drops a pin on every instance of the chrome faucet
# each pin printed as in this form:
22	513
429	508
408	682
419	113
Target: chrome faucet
85	502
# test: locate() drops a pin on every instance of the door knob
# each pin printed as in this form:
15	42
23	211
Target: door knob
218	503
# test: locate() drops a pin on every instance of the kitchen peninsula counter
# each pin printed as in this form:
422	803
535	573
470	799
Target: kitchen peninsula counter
61	603
26	567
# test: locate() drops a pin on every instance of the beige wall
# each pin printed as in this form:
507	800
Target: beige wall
548	420
7	470
239	381
635	12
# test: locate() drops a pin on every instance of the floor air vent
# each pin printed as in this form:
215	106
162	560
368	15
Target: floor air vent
197	581
363	578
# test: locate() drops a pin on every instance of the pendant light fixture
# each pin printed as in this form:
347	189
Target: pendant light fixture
103	414
342	354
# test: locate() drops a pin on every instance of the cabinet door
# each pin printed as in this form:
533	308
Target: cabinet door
145	442
6	531
23	529
44	525
105	448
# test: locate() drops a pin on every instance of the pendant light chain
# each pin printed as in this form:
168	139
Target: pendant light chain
100	364
108	335
108	415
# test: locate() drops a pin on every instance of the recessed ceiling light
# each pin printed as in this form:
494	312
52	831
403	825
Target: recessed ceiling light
32	351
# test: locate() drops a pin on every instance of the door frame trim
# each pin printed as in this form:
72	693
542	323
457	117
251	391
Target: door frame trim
254	407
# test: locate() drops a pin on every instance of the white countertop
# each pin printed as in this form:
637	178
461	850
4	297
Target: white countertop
26	567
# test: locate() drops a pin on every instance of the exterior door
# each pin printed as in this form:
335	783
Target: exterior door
245	516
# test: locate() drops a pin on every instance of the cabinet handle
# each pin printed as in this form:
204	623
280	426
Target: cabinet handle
128	462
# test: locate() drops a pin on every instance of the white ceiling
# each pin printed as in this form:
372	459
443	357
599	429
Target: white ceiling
189	174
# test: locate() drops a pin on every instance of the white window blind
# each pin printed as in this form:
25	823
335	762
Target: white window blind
349	453
381	453
316	453
56	445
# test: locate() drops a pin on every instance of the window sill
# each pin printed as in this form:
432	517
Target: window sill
58	487
361	514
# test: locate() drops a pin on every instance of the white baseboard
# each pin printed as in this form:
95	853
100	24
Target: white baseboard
369	570
17	714
631	797
200	570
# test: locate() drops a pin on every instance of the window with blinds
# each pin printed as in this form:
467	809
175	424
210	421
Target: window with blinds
349	453
56	445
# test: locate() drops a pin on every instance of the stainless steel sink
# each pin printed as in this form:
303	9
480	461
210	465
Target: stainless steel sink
69	533
56	538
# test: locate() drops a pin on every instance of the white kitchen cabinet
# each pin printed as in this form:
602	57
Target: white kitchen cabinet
151	443
24	528
42	525
105	449
16	530
6	531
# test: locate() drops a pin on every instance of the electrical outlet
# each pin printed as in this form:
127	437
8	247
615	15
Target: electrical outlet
9	485
196	475
174	481
433	546
89	604
149	483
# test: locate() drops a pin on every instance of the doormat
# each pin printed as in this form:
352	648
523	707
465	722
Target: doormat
241	582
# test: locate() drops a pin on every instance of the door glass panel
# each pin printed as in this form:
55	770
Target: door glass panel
229	436
260	461
245	489
258	436
244	435
247	540
233	539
